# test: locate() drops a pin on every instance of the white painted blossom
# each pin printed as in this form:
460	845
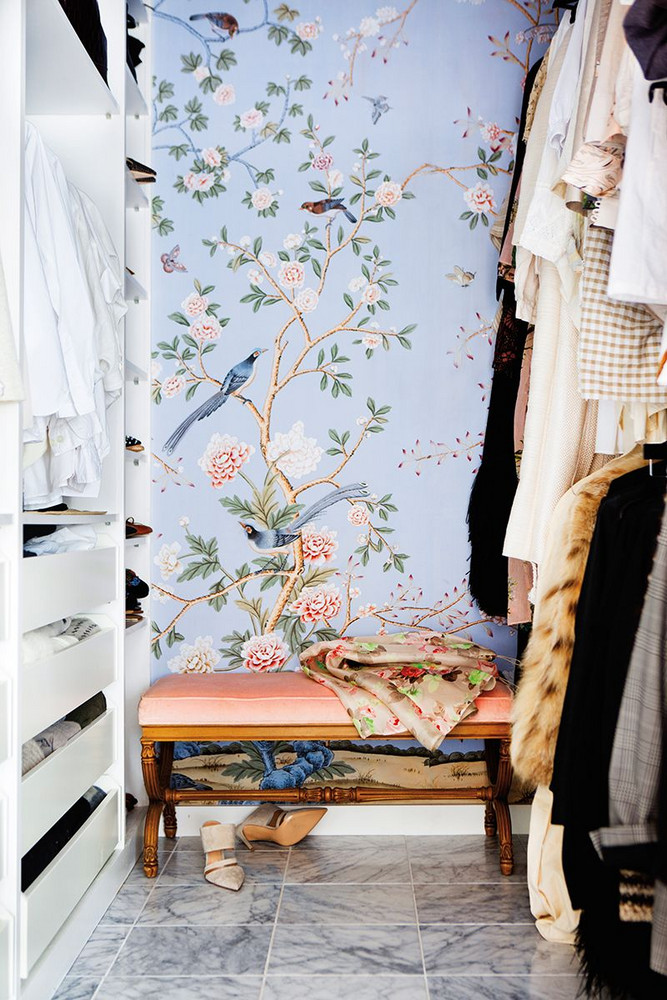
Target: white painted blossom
255	276
167	560
292	241
201	72
371	294
211	156
225	175
371	340
245	242
262	198
294	454
355	592
224	94
306	300
385	14
156	368
251	119
369	26
184	521
356	284
199	658
335	178
388	194
268	259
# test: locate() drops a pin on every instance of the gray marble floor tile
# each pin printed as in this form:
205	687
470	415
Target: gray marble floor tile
466	860
363	864
500	949
319	841
345	988
208	905
370	950
496	903
178	951
187	867
194	844
181	988
347	904
128	903
503	988
76	989
98	953
137	874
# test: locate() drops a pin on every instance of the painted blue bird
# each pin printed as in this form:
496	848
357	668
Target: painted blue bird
328	205
220	21
275	539
237	378
380	107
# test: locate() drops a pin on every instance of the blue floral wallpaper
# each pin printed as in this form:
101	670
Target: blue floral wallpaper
324	293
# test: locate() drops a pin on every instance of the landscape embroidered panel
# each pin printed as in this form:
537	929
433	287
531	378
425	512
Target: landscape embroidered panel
328	174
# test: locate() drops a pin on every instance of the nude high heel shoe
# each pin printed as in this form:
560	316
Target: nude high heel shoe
224	871
271	823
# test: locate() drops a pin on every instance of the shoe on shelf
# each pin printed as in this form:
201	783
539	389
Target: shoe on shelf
271	823
133	617
133	444
133	528
224	871
141	173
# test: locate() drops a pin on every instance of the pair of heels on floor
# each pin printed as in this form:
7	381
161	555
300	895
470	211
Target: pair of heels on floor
268	823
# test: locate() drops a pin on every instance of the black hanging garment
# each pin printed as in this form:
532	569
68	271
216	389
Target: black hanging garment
614	955
84	16
645	27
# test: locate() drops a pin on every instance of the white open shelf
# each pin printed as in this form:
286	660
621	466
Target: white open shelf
61	79
67	583
136	626
134	290
5	730
134	374
35	517
135	196
135	103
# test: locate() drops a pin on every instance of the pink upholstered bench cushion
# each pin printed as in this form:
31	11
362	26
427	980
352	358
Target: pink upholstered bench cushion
283	699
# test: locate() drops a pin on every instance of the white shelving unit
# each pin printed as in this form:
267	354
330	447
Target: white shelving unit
48	79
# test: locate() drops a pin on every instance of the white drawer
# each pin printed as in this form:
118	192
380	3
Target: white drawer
5	694
47	904
57	782
55	685
6	956
67	584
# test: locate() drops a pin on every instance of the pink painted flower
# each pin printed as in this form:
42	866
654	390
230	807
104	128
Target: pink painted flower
388	194
252	119
366	610
371	294
195	304
173	385
206	328
306	300
201	72
292	274
211	157
224	94
264	652
357	515
480	198
223	458
323	161
308	31
371	340
204	182
262	198
491	133
316	604
190	180
319	544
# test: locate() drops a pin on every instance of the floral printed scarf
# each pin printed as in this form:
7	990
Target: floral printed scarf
424	683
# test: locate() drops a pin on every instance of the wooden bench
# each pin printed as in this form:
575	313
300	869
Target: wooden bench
289	706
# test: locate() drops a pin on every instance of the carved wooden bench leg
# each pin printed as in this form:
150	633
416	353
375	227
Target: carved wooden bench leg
491	756
151	772
503	816
169	812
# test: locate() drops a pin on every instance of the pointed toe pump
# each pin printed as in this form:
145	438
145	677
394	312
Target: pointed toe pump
273	824
218	838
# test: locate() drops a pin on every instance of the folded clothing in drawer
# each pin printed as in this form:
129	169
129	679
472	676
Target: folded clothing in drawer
51	844
57	735
50	639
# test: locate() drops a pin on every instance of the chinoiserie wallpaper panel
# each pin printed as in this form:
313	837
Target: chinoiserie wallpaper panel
327	177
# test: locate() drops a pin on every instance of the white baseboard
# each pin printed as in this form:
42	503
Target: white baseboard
407	820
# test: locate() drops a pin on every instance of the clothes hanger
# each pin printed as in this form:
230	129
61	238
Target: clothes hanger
656	453
655	87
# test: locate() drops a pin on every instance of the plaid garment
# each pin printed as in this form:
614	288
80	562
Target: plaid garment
619	342
637	758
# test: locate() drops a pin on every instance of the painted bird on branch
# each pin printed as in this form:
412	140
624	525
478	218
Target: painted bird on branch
220	22
237	378
328	206
274	539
